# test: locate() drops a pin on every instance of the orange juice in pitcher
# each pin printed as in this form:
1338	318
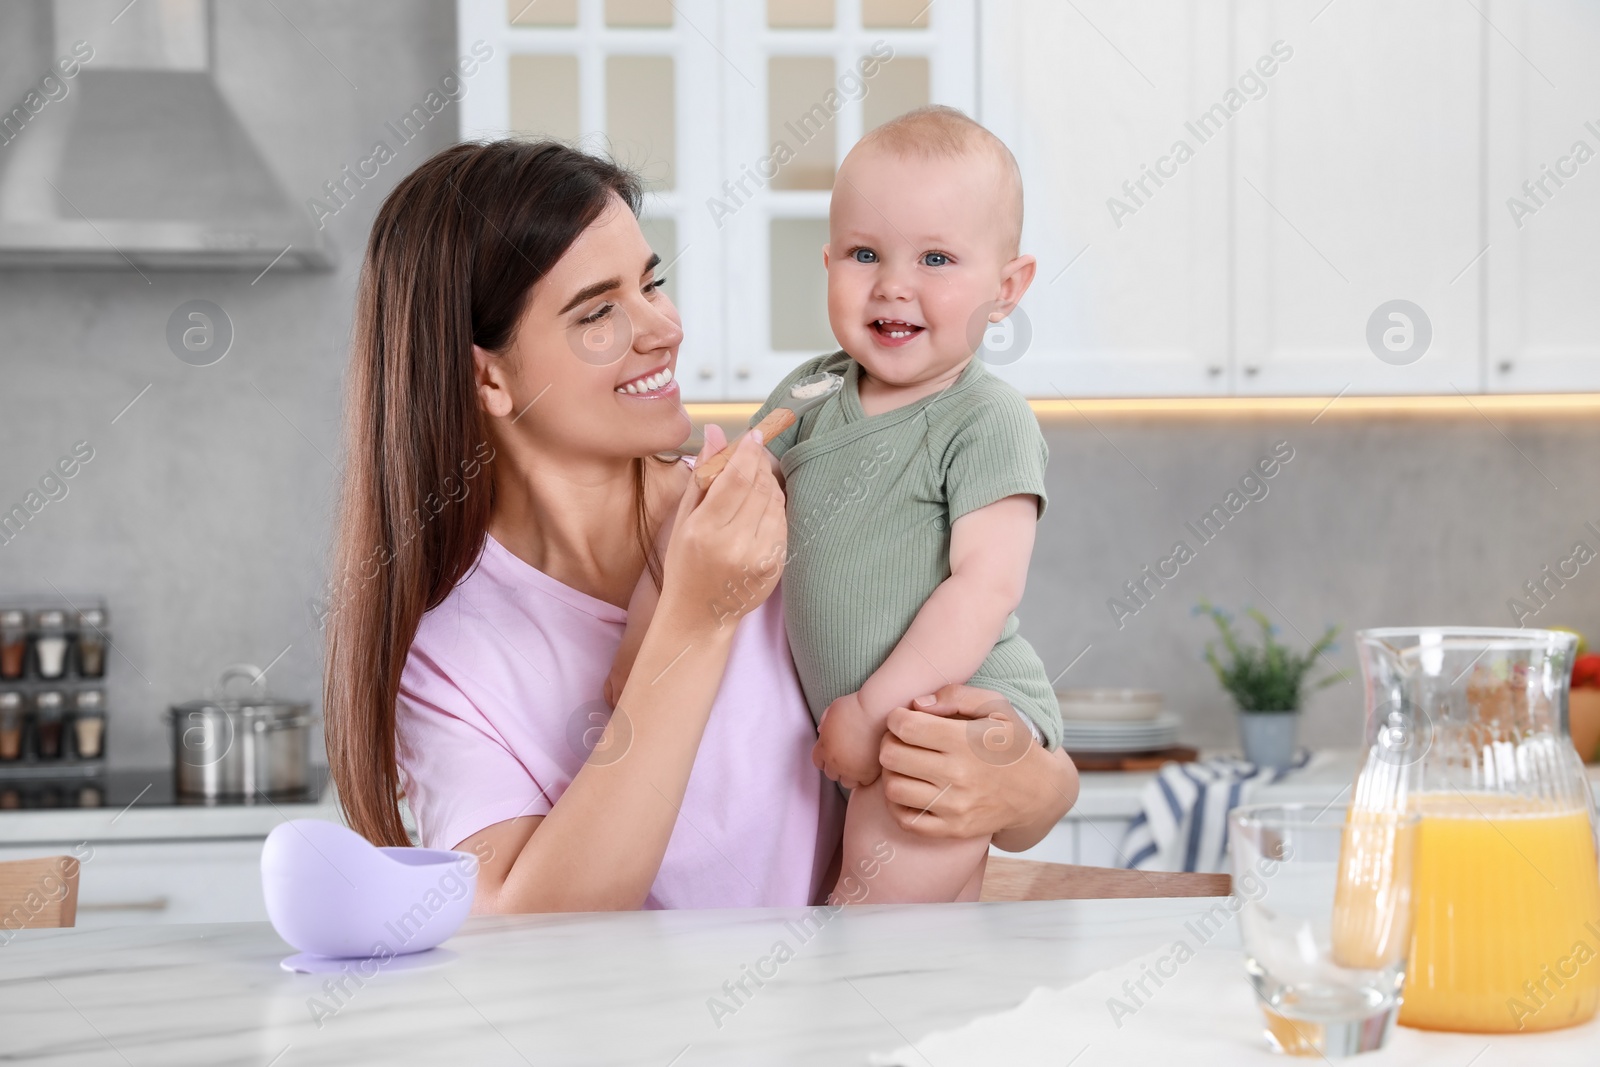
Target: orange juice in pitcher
1466	728
1483	858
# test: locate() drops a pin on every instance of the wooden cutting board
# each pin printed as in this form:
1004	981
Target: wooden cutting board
1133	761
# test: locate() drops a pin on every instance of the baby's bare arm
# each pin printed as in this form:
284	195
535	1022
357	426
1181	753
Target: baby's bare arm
959	623
947	642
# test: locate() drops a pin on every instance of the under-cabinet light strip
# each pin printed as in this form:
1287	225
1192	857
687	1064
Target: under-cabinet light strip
1318	406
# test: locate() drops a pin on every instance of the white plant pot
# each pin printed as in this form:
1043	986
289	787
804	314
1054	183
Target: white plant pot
1268	737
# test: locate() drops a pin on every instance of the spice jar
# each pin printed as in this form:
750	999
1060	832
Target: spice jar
92	642
89	724
10	726
50	643
47	716
13	643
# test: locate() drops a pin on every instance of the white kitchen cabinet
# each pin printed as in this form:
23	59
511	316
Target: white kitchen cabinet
1092	842
736	113
1100	842
619	81
1132	292
142	883
158	862
874	59
1060	845
1358	182
1543	197
1334	158
1374	163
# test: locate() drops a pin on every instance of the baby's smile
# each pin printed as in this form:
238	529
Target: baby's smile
896	332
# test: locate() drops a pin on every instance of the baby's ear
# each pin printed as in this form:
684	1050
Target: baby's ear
826	255
1015	278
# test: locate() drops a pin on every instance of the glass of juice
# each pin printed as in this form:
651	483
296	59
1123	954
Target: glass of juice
1325	918
1466	728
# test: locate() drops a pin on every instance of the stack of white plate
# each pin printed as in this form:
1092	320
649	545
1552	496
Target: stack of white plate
1147	736
1115	720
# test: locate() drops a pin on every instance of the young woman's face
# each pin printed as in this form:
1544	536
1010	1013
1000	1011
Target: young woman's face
592	368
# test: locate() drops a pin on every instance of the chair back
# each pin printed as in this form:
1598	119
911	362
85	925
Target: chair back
38	893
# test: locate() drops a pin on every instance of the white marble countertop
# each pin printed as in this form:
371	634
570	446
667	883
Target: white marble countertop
630	988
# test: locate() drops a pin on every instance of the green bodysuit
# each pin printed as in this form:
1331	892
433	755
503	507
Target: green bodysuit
871	501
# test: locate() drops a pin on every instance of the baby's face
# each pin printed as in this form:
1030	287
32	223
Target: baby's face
917	249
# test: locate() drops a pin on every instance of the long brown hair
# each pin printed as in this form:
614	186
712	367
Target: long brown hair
454	254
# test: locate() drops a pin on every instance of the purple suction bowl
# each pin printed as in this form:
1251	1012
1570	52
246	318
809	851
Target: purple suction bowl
330	892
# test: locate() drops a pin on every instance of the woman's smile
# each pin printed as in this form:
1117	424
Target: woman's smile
651	385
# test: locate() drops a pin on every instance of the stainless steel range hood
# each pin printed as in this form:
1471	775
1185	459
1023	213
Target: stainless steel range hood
141	160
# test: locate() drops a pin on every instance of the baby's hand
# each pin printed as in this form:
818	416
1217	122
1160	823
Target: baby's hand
847	744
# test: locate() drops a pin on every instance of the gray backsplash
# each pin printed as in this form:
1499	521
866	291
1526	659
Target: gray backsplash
203	517
1377	520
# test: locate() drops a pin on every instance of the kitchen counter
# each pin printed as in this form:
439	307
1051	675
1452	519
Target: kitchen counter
151	859
147	855
629	988
1323	780
1115	794
1092	832
141	806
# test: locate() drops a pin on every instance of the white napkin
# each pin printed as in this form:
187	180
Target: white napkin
1204	1013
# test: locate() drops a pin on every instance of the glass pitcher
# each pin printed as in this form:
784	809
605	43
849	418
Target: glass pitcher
1467	728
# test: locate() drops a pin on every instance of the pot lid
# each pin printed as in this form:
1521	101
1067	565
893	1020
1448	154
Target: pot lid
252	702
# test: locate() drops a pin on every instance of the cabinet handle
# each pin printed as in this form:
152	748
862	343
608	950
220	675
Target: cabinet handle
1505	366
1251	370
707	372
1214	370
153	904
743	370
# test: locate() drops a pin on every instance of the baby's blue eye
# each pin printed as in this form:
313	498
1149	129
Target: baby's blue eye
935	259
864	255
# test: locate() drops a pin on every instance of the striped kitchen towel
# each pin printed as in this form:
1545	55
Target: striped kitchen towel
1184	822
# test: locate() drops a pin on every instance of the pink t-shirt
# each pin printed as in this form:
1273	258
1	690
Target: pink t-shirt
504	682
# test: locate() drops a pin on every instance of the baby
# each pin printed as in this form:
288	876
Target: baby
913	492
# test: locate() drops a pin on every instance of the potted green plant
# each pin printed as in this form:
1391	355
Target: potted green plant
1268	683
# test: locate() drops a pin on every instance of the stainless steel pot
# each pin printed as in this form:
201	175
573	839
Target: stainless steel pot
241	746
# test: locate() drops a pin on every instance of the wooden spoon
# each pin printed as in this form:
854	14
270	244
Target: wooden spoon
804	395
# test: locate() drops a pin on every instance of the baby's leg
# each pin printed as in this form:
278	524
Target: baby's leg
884	864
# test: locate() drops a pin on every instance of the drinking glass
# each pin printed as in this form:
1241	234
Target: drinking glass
1325	917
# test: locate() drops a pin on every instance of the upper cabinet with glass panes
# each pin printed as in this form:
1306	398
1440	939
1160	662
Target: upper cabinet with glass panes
736	116
824	73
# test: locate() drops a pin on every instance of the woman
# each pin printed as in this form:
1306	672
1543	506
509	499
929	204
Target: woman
509	390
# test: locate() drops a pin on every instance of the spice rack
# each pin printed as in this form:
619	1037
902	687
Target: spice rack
52	688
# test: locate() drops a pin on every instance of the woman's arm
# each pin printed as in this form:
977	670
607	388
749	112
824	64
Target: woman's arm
600	846
953	769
